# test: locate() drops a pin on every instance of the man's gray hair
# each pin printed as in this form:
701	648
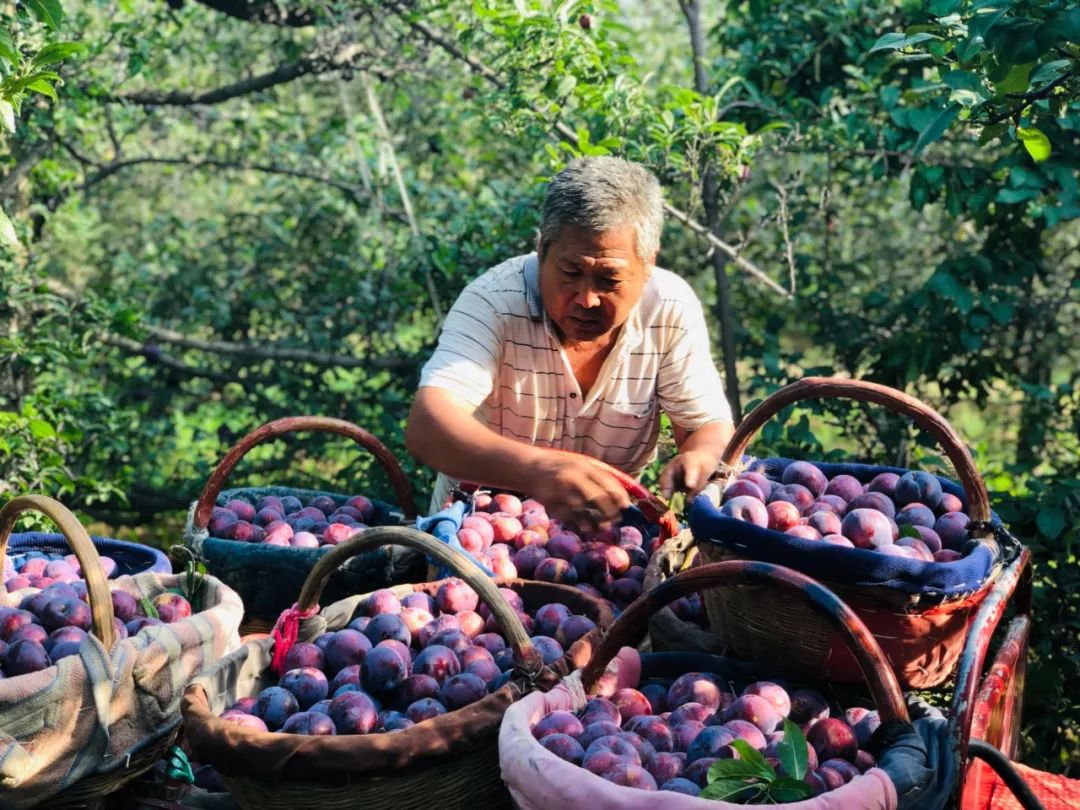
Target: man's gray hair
601	194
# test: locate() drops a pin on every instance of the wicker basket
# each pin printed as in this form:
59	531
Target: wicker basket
249	568
921	634
448	761
538	779
73	536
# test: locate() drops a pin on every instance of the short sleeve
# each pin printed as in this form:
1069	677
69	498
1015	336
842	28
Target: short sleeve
689	387
466	358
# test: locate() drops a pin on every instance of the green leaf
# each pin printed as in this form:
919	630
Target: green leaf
1051	521
936	128
148	608
1016	80
895	41
57	52
729	789
40	429
734	769
1035	141
753	758
789	790
943	8
47	11
792	751
44	88
7	47
8	238
7	115
1048	71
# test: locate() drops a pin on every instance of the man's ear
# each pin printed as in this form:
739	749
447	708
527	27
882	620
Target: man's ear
537	244
650	263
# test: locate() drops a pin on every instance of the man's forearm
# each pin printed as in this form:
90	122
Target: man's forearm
710	438
451	441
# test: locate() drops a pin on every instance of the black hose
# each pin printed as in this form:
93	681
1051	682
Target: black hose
1003	768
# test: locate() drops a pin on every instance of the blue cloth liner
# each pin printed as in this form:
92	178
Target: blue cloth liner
919	760
836	564
130	558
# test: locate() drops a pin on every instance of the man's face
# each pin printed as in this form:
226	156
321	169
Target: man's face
591	281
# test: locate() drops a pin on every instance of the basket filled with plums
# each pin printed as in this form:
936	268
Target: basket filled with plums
92	669
388	699
512	535
681	730
263	541
912	553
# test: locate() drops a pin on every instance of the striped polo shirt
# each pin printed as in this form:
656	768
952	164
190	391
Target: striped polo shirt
499	353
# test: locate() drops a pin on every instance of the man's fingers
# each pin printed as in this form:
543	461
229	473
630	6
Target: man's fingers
691	475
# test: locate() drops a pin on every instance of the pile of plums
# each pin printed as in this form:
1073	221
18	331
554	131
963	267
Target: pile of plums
37	569
53	622
401	662
664	736
517	538
900	515
286	521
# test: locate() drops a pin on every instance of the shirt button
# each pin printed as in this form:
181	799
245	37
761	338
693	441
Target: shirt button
573	395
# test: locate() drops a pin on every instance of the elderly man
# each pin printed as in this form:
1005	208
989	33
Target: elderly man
578	346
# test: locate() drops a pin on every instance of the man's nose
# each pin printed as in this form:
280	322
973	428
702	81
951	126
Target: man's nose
587	298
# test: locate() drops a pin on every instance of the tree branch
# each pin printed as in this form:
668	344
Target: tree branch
314	63
1036	95
260	353
107	170
269	12
23	165
570	136
155	356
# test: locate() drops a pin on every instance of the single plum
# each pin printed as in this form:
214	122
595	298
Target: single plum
867	528
347	647
461	690
313	724
694	687
308	685
832	737
952	529
918	487
274	706
875	501
805	474
564	747
915	514
353	713
844	486
555	570
455	596
746	508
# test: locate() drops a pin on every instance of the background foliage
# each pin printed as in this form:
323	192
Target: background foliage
227	211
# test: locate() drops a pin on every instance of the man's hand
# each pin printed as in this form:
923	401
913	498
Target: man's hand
576	490
699	454
688	472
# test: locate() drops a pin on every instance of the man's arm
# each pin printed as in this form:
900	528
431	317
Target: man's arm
443	434
699	453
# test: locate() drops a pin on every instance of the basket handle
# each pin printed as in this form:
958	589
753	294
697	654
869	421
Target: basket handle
633	623
837	388
290	424
97	587
527	658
